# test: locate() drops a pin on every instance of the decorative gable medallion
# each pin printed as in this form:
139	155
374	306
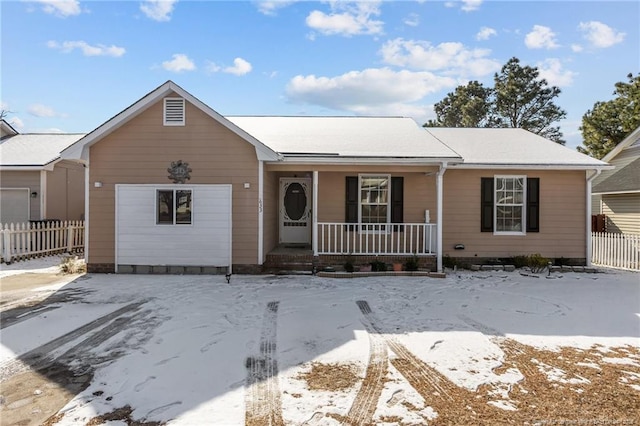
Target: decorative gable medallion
179	172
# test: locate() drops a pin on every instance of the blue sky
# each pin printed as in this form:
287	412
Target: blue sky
71	65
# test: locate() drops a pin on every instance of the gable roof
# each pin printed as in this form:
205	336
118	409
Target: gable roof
79	149
34	151
510	148
632	138
343	139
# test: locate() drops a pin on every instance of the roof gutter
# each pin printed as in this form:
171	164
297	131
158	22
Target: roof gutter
532	166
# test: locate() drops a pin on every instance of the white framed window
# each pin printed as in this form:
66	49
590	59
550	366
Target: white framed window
510	205
374	200
174	112
174	206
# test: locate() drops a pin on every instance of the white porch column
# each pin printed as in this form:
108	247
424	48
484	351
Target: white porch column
260	212
439	195
588	227
87	186
43	194
314	221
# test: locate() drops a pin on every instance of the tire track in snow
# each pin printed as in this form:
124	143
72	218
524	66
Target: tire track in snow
426	380
262	398
40	356
366	400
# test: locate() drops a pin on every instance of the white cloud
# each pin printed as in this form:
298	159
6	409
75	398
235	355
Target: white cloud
450	57
40	110
552	71
240	67
87	49
412	20
158	10
270	8
373	91
16	123
600	35
485	33
576	48
541	37
61	8
179	63
347	18
471	5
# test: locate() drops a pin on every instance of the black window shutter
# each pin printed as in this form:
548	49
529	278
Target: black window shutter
533	204
486	200
397	201
351	207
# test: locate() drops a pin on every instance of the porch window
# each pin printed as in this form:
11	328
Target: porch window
374	199
510	205
174	206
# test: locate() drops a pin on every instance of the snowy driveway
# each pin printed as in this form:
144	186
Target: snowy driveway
473	348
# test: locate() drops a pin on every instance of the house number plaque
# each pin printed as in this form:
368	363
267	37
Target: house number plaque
179	171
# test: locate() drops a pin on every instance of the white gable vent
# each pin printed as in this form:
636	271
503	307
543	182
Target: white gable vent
174	111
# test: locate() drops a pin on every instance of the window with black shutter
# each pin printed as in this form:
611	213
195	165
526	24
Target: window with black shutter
510	204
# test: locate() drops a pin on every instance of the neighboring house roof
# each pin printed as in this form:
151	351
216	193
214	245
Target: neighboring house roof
339	138
626	179
632	139
79	149
511	147
6	129
34	150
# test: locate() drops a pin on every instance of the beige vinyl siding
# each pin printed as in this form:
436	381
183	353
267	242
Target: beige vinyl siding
141	151
596	204
65	191
419	194
270	215
622	212
562	216
24	179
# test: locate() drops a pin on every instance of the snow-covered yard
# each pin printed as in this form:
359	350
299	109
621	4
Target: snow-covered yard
473	348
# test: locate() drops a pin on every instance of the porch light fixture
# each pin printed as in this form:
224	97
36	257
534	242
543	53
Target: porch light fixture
34	194
97	184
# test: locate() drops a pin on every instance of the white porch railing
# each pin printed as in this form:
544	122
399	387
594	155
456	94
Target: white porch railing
615	250
27	240
376	239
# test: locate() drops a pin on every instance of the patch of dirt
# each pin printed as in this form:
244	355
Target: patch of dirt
330	377
123	414
34	397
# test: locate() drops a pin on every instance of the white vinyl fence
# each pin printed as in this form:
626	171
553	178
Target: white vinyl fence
616	250
27	240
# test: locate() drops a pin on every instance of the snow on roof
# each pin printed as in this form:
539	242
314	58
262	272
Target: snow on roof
393	137
509	146
34	149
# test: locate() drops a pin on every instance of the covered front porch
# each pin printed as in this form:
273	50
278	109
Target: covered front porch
330	213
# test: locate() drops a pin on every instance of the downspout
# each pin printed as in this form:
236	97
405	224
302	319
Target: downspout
86	211
260	212
439	192
314	219
588	227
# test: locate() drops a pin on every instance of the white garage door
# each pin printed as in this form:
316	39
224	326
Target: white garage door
173	225
14	205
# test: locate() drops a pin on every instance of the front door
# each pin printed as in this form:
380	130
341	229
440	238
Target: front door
295	211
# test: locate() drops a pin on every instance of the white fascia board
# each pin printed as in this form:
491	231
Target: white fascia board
632	191
628	141
532	166
21	168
